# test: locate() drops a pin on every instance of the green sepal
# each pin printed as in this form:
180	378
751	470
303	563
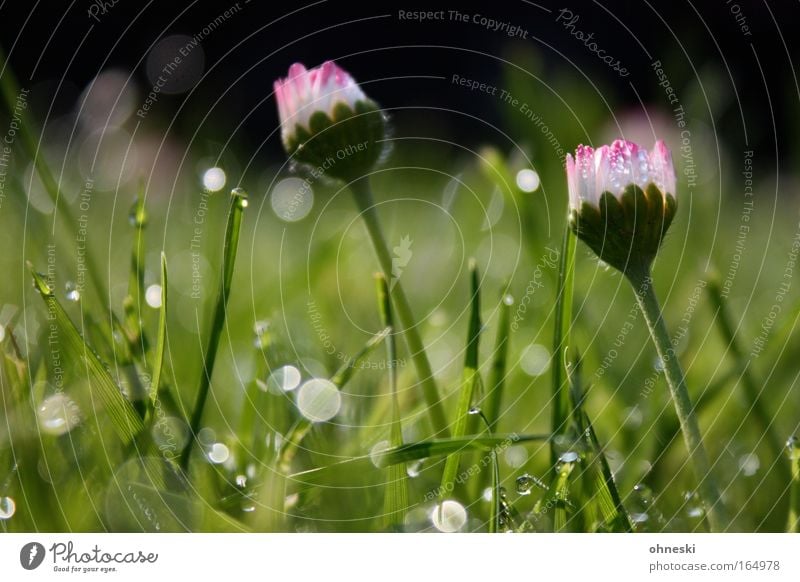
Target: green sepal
344	145
626	231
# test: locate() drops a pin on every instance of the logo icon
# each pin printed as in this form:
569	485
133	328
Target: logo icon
31	555
402	256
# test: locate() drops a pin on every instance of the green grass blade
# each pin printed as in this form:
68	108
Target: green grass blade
237	205
346	370
563	319
497	377
749	384
793	450
132	303
470	379
161	336
126	422
396	499
414	452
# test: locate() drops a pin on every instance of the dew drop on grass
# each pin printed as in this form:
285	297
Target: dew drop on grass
568	457
413	469
241	481
639	517
72	292
448	517
508	299
526	482
7	507
284	379
749	464
319	400
376	450
58	414
218	453
153	296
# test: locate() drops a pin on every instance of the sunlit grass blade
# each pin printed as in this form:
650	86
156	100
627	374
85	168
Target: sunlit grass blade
132	303
237	205
414	452
600	485
346	370
560	496
793	450
750	386
125	420
470	378
559	401
396	493
161	334
497	376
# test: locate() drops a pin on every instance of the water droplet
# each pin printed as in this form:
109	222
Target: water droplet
72	291
261	330
58	414
526	482
749	464
319	400
413	469
508	299
2	333
7	507
241	481
218	453
292	199
516	456
488	493
206	436
535	360
214	179
153	296
695	512
376	450
284	379
449	517
639	517
474	410
644	492
793	447
527	180
569	457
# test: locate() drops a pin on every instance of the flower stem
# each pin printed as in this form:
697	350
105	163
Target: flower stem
646	297
366	205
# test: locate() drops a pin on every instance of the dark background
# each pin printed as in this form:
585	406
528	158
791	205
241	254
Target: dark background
59	43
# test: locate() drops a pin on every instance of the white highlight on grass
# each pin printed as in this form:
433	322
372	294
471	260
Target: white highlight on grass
218	453
292	199
319	400
527	180
153	296
449	517
535	360
284	379
214	179
58	414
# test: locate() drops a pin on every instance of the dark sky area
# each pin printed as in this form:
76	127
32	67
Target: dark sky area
244	51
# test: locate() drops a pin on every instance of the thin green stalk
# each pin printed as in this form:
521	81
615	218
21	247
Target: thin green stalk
563	320
366	205
470	378
9	88
497	376
396	501
161	339
749	384
132	303
237	206
793	524
707	488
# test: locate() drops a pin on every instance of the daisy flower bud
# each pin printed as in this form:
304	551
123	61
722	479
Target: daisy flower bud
622	201
327	122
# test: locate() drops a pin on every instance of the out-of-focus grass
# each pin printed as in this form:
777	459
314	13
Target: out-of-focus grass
312	282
